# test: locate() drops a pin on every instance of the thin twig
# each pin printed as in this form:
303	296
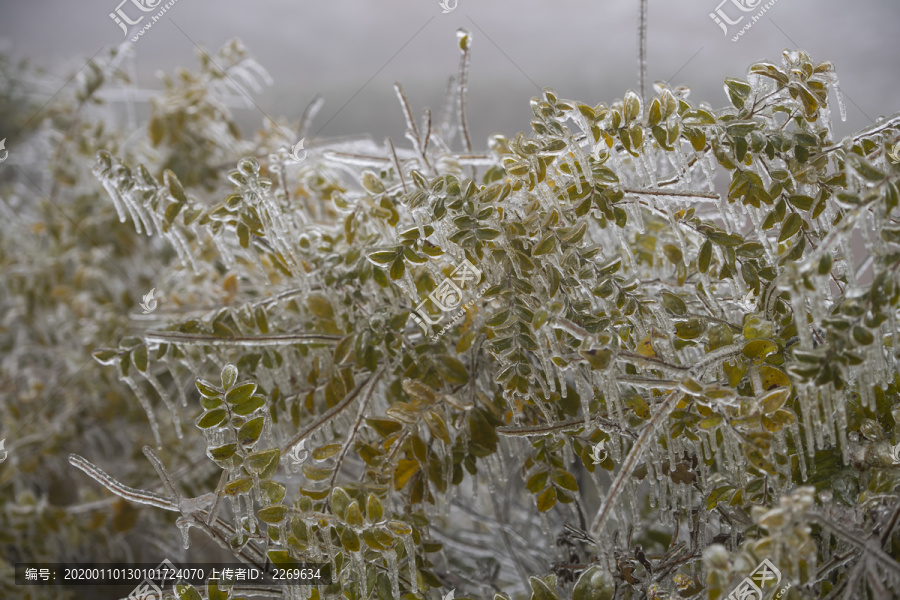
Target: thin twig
684	193
397	165
120	489
359	417
412	132
330	414
576	423
309	113
630	462
642	50
463	67
427	133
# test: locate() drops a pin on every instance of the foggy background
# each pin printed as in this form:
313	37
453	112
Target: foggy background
352	52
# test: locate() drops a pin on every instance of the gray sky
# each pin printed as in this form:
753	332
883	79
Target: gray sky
352	51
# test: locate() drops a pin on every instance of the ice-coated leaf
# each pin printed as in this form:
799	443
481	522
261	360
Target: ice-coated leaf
251	430
212	418
229	376
273	514
340	502
240	393
374	511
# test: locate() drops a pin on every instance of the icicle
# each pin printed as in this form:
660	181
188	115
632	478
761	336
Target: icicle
411	558
184	524
148	408
585	391
840	98
709	170
393	575
358	566
154	382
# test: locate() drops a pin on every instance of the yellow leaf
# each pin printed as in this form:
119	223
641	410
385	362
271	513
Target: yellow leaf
406	468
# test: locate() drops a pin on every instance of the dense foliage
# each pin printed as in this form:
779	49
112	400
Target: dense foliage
676	358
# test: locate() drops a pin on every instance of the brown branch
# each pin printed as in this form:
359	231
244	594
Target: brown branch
262	340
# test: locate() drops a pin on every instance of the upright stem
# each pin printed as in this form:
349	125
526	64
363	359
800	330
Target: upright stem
642	50
465	41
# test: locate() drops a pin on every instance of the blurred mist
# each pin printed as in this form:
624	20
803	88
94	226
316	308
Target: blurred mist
352	52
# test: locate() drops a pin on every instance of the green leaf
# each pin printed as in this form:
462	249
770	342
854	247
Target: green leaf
354	515
452	370
674	304
862	335
547	499
775	399
185	591
240	393
565	480
229	375
212	418
690	329
538	481
238	486
398	268
263	462
207	390
705	256
759	349
245	407
321	306
599	359
382	257
374	510
791	226
738	91
221	453
273	514
541	591
139	358
547	244
251	430
340	502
